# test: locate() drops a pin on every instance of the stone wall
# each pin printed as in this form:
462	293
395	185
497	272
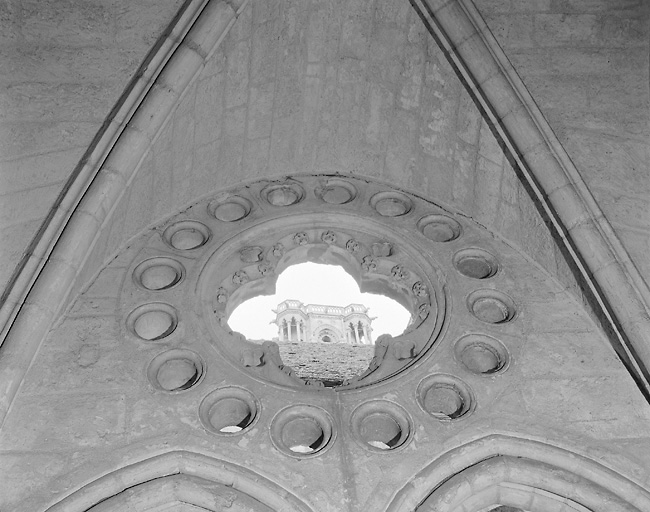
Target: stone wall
570	55
368	95
340	87
65	65
585	62
327	362
92	402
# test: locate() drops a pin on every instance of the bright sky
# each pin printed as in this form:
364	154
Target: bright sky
311	283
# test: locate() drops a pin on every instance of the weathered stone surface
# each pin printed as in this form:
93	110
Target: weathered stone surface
585	64
330	87
326	362
64	67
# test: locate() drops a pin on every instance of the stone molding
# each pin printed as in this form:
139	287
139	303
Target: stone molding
180	463
466	40
216	236
587	475
546	169
87	170
73	227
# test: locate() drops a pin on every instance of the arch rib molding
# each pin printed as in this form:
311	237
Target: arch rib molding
35	302
186	463
549	174
522	463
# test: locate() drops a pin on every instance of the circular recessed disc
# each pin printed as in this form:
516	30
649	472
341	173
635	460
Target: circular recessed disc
445	397
283	195
337	191
302	431
443	400
439	228
229	411
158	273
230	415
153	322
391	204
380	425
491	306
159	277
186	235
481	354
232	209
187	239
176	370
336	194
177	374
476	263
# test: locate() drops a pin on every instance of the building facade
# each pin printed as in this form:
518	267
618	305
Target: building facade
316	323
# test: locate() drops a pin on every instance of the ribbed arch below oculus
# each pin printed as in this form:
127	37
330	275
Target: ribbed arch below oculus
184	481
184	492
531	486
504	473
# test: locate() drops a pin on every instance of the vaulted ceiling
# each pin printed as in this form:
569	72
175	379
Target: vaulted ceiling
585	64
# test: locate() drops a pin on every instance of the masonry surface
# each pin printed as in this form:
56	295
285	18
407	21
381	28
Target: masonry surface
310	126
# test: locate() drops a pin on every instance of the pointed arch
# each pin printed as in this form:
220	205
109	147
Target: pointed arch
588	241
69	234
504	470
182	476
180	490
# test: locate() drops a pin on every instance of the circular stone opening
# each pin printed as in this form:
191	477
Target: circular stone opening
391	204
381	425
491	306
152	322
481	354
186	239
186	235
302	430
444	397
303	435
158	273
381	431
283	195
337	192
324	326
229	411
476	263
443	400
176	370
159	277
439	228
480	359
230	415
231	209
177	375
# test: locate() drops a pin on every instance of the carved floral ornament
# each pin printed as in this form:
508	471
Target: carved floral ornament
392	242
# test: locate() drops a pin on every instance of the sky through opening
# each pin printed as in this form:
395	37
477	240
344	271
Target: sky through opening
313	283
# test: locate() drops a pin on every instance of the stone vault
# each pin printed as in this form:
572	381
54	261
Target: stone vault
396	140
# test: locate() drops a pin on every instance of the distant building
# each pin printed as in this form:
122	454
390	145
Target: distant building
315	323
